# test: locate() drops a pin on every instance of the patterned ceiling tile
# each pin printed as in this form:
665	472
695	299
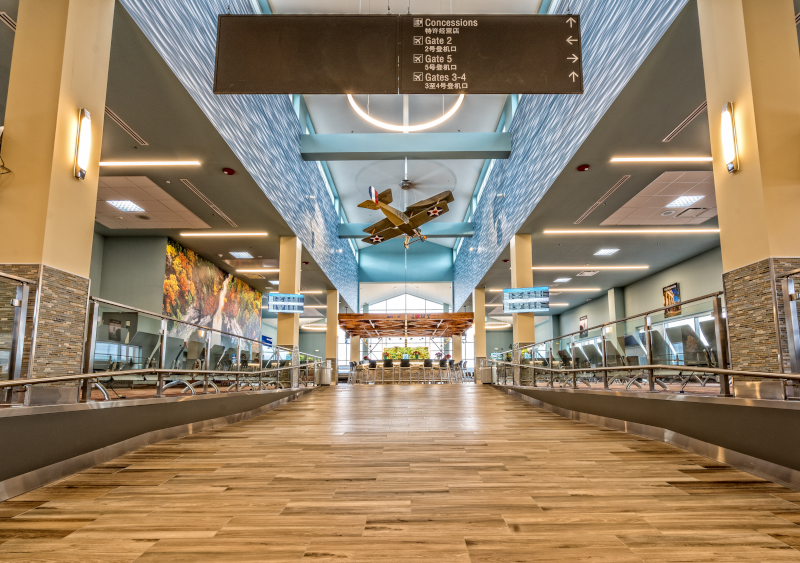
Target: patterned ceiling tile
262	131
547	130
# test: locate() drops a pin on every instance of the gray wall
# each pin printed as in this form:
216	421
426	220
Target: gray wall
310	341
500	339
596	309
96	267
133	271
697	276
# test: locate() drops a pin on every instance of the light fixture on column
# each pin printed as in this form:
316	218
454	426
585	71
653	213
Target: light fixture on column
83	144
730	150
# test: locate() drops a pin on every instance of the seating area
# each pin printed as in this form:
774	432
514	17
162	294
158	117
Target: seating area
374	372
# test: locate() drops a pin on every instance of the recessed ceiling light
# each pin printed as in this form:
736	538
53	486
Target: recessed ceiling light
561	280
494	290
661	159
588	267
552	293
273	282
241	255
311	291
633	232
606	251
307	306
587	273
125	205
685	200
213	234
559	304
152	163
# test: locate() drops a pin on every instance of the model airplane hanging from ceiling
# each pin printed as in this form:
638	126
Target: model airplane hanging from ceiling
406	223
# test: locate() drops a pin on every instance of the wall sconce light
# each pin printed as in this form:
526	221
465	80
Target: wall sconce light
83	144
730	150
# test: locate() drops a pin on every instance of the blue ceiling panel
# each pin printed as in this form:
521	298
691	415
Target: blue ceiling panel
262	130
547	130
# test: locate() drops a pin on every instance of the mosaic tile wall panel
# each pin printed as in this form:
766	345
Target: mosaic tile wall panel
7	292
263	131
751	321
547	130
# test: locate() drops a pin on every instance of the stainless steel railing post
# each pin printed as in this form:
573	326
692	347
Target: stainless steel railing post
17	337
605	360
651	379
160	385
91	337
162	356
721	329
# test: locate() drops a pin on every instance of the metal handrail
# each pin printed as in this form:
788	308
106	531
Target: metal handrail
160	316
716	371
87	378
610	323
17	278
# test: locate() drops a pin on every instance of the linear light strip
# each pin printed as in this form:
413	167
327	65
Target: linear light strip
629	231
661	159
590	267
405	128
223	234
151	163
259	271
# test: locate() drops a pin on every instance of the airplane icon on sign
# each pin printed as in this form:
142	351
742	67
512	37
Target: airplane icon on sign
417	40
417	77
417	58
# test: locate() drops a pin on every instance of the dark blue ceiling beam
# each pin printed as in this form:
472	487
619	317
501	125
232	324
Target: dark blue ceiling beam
397	146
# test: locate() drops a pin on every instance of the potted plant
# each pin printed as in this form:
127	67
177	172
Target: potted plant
447	357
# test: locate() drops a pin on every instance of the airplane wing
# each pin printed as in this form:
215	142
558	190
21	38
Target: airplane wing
445	197
378	238
379	227
434	211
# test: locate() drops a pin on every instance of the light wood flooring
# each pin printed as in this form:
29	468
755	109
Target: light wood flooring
413	473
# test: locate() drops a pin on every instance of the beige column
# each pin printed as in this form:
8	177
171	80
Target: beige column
751	59
522	276
457	345
479	311
332	334
355	348
289	282
59	66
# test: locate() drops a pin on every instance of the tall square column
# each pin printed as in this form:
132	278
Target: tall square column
479	312
289	282
332	334
58	67
751	60
521	276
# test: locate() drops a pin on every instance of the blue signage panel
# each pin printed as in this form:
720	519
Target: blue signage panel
266	340
526	299
285	303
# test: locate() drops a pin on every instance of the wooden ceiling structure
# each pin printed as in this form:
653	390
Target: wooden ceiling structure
432	325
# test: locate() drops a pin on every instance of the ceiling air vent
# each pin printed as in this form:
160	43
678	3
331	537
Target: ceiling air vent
8	20
602	199
682	125
210	203
588	273
125	127
692	212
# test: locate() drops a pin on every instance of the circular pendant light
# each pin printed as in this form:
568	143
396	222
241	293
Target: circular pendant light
405	128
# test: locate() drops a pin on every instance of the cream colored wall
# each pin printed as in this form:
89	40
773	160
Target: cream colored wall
751	58
59	65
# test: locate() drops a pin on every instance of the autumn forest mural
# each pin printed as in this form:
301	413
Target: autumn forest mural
195	290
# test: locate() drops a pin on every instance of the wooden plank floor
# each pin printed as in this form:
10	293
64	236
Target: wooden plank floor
412	473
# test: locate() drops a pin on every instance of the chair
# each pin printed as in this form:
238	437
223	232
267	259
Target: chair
351	375
427	370
372	371
443	371
387	364
405	367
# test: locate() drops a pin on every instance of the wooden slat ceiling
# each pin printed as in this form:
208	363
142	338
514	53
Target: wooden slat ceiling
406	324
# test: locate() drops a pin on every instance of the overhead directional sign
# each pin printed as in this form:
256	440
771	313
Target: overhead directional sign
490	54
354	54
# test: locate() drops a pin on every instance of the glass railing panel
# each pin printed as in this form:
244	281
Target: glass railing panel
125	340
8	292
223	352
186	346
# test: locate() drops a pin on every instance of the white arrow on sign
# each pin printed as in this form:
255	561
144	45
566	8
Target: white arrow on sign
570	21
573	75
570	40
573	58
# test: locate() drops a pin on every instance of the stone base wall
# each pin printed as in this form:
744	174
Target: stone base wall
756	320
61	320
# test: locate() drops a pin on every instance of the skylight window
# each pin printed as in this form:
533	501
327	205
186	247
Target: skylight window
606	251
125	205
685	200
241	255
